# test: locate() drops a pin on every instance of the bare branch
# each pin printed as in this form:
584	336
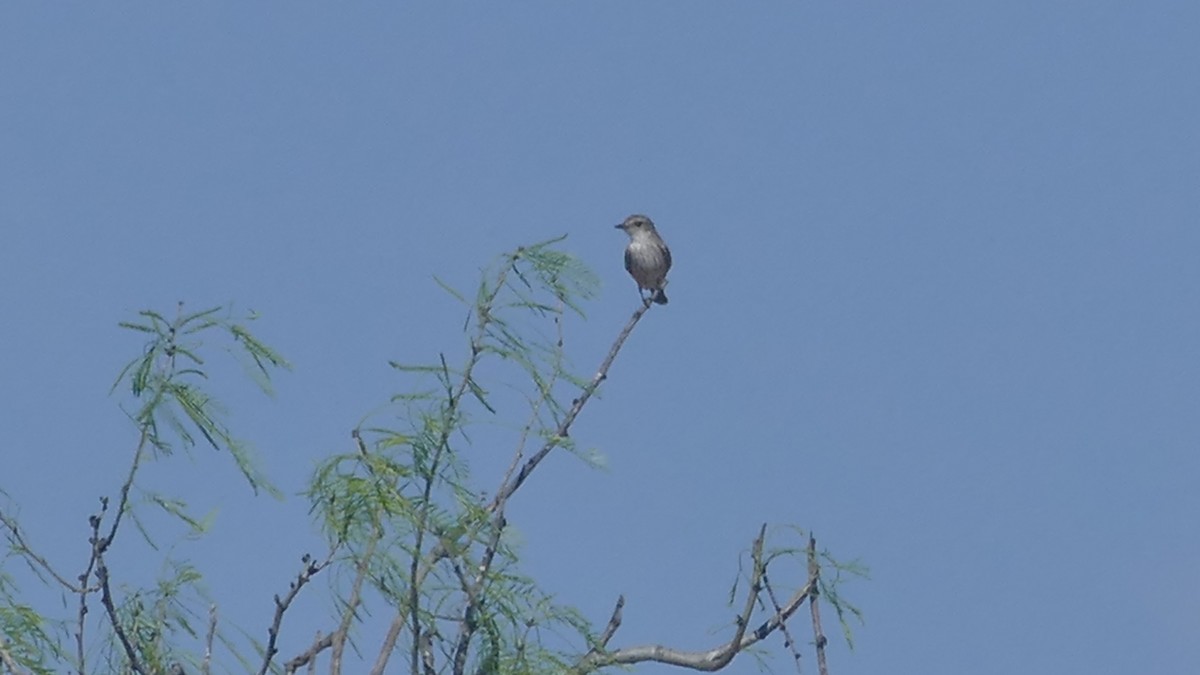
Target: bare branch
99	545
614	622
743	619
135	664
309	656
389	639
94	522
205	665
718	657
311	568
814	579
788	641
125	487
564	427
96	561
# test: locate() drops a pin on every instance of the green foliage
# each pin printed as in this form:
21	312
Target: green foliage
831	590
409	488
160	618
409	525
172	407
25	633
168	380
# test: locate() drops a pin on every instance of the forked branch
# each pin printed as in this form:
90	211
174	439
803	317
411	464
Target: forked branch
311	569
718	657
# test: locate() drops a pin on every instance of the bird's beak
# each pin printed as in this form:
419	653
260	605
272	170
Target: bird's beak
619	226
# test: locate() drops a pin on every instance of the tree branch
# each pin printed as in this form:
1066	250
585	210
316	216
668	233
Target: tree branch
814	579
94	522
99	546
135	664
206	664
614	622
512	482
788	641
718	657
469	623
19	545
309	656
306	574
360	575
564	427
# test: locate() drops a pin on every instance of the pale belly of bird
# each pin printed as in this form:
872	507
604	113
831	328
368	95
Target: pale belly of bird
647	264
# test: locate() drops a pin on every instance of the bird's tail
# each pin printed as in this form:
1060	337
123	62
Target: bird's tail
660	297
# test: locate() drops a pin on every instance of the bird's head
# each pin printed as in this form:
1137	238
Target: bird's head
636	224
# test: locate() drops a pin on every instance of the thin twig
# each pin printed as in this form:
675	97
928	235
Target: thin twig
614	622
94	522
788	640
20	546
814	580
756	575
310	569
362	568
125	487
206	664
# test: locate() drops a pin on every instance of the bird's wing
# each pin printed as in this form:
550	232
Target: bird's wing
666	256
628	261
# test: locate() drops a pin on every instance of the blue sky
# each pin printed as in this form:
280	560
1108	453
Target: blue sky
934	293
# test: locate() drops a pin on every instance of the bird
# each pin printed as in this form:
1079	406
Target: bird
647	257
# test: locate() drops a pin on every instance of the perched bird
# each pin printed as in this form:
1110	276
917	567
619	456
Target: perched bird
647	257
